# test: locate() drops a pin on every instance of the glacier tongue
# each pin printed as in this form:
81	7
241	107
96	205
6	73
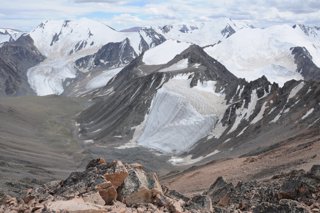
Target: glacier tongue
180	115
47	78
173	124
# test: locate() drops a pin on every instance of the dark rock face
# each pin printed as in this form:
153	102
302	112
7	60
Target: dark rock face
227	31
305	65
166	28
110	55
113	55
312	31
155	37
15	59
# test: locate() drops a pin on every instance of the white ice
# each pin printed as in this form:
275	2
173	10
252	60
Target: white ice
102	79
182	161
164	52
310	111
180	65
180	116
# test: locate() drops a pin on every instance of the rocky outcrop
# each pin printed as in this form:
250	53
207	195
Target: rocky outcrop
120	187
104	187
111	55
297	191
118	54
305	65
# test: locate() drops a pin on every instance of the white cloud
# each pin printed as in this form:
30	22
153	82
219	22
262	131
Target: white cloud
26	14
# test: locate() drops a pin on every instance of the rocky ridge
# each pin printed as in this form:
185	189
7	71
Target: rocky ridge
120	187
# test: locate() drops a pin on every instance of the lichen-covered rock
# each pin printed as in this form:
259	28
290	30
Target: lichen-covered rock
201	203
139	187
315	171
107	192
116	173
95	162
220	191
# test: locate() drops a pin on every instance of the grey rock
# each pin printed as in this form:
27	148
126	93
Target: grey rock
110	55
202	203
315	171
283	207
305	65
16	58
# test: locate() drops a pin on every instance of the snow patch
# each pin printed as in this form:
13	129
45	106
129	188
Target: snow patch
310	111
244	129
295	90
180	65
102	79
88	141
259	116
182	161
164	52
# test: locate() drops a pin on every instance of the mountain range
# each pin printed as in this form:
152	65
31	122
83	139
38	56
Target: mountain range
172	97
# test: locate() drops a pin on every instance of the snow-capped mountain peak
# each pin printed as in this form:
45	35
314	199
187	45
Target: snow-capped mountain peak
203	33
7	34
253	52
64	37
83	45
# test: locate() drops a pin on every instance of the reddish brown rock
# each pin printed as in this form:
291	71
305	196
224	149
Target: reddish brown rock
139	187
116	174
107	192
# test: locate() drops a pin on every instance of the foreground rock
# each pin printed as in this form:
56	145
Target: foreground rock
102	187
297	191
120	187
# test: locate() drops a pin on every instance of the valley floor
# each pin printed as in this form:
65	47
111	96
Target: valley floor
39	142
37	139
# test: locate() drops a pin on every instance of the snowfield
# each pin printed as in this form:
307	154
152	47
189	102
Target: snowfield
251	53
164	52
204	33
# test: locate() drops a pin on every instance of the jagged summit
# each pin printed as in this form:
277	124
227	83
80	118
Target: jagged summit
7	34
202	33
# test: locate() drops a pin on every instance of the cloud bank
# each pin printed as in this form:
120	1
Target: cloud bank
119	14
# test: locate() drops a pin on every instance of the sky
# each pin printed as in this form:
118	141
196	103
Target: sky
120	14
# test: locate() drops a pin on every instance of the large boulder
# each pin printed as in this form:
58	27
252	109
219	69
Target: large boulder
139	187
315	171
220	192
116	173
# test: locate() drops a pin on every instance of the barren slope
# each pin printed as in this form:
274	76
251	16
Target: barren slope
299	152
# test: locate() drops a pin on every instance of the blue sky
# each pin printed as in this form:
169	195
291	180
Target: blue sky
119	14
